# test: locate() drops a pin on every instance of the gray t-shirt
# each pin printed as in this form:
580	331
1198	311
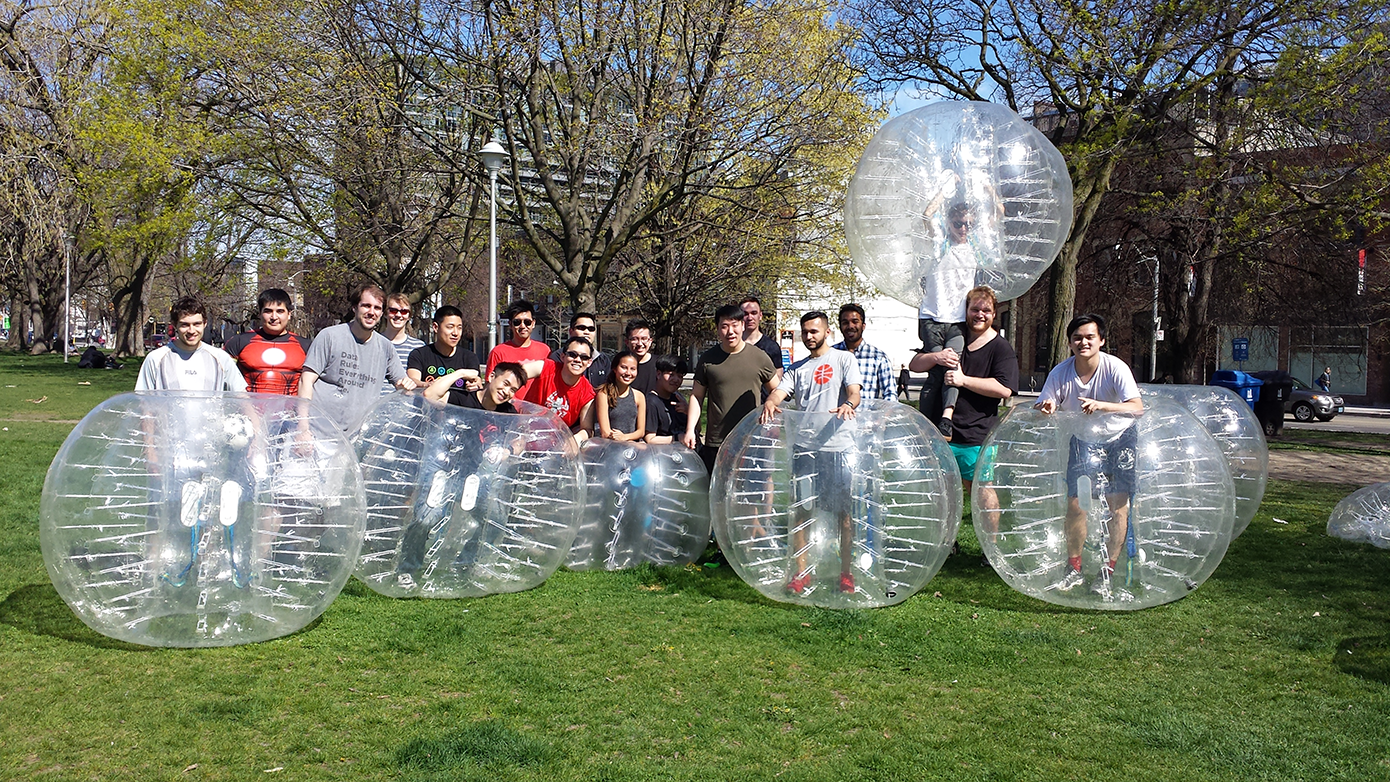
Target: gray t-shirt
350	372
1112	382
819	385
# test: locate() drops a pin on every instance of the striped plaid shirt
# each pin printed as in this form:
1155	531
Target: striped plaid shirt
876	371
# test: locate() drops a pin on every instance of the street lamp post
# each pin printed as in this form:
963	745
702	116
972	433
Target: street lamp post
493	156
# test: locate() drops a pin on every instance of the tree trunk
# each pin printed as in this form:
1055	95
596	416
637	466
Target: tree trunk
1091	190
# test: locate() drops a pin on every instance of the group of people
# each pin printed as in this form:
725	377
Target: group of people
635	395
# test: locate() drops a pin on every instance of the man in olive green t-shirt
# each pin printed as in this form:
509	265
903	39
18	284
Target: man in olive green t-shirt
733	374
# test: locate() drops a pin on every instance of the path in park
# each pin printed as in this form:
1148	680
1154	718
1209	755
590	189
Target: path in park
1359	469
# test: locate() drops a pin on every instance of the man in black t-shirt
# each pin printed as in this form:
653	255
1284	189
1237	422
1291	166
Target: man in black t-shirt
666	406
987	375
752	310
432	361
638	336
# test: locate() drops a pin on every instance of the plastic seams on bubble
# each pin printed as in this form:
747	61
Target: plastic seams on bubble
904	503
464	502
188	519
1236	429
645	504
1181	513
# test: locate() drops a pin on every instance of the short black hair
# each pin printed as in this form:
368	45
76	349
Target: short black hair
815	315
853	308
581	341
446	311
511	366
576	316
670	363
188	305
1081	320
274	296
727	312
636	324
519	306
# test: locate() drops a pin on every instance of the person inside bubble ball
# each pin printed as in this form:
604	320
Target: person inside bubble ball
1092	381
827	381
431	514
942	311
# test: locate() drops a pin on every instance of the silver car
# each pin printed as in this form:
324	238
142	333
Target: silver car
1307	403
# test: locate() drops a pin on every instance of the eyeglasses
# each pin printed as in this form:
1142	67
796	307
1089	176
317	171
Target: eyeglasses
578	355
639	340
520	322
397	311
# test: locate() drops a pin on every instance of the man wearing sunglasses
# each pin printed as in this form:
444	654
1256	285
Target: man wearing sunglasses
562	387
585	324
521	315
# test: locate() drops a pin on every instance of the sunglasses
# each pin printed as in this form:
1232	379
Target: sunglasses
578	355
586	328
520	322
397	311
963	224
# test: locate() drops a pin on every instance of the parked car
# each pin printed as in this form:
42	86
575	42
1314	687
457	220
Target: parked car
1307	403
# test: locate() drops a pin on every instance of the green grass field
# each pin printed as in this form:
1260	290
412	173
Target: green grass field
1278	668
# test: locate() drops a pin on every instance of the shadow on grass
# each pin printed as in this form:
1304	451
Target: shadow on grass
38	609
488	746
1365	658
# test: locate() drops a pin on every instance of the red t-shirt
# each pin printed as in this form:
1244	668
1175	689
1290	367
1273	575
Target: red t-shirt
549	390
536	351
271	365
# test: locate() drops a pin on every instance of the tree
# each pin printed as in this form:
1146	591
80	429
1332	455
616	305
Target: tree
619	115
1097	75
356	143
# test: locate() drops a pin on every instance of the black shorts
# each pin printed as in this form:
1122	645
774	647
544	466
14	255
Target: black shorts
1115	461
823	481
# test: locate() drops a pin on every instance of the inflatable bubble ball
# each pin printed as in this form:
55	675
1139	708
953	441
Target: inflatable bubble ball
1363	516
1236	429
195	519
643	504
960	191
813	510
464	502
1151	493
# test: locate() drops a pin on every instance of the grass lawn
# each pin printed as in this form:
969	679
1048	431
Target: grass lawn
1278	668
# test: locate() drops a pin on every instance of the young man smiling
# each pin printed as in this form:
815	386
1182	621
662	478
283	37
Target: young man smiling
187	364
431	362
733	376
562	387
272	356
1092	381
346	363
521	316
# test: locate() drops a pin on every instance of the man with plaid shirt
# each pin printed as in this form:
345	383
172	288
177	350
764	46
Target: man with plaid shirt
875	370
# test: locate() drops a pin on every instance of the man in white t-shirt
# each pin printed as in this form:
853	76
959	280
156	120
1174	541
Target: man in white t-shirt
1092	381
187	364
826	381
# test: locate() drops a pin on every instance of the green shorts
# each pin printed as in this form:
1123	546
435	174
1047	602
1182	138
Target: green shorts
967	456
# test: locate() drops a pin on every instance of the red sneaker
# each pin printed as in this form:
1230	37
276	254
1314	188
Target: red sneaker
847	583
798	584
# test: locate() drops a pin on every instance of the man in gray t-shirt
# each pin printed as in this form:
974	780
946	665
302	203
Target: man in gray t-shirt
346	363
827	381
